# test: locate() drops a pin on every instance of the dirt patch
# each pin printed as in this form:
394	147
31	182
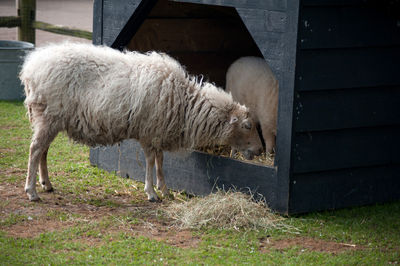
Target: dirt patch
12	171
8	127
306	244
7	150
169	235
35	227
58	212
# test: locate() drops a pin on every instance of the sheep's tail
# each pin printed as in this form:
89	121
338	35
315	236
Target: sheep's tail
28	93
28	90
26	101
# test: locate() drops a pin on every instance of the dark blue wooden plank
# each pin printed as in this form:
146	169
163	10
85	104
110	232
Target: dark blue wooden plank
348	108
258	20
269	36
94	156
173	9
348	68
344	188
97	22
353	26
105	157
278	5
345	3
269	30
271	45
339	149
116	14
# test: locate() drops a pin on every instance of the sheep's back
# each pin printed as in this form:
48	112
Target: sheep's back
252	83
102	96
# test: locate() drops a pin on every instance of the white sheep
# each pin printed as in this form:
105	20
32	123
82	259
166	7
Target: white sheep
252	83
101	96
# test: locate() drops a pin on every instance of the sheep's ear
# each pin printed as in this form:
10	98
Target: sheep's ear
233	120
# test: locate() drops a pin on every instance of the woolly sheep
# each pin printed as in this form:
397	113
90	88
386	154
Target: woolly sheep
101	96
252	83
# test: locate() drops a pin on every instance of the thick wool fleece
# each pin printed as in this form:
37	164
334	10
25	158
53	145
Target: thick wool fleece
101	96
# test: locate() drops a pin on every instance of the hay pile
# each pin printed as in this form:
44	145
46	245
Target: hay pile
224	210
264	158
225	151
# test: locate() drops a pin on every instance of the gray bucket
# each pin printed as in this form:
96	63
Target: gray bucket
12	55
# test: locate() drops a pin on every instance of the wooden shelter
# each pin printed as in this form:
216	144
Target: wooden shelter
338	65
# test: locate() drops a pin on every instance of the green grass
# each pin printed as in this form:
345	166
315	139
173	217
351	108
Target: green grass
12	219
96	216
363	226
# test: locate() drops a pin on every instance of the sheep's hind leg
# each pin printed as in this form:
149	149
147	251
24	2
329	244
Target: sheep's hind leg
148	185
160	175
40	142
43	173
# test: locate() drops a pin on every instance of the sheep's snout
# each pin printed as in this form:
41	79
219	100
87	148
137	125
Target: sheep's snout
259	151
249	153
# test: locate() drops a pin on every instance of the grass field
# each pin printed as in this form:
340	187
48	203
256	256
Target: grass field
95	217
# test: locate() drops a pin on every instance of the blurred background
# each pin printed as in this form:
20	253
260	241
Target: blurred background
71	13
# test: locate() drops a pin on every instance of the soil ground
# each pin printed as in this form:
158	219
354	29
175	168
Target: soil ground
38	221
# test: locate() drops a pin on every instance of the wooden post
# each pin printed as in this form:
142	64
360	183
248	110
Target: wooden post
27	12
62	30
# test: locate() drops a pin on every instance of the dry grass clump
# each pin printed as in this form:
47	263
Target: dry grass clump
224	210
225	151
264	158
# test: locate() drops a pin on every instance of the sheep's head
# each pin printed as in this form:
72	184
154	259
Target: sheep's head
245	137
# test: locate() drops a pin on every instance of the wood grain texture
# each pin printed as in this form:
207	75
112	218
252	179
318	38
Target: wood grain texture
344	188
174	9
97	22
278	5
348	68
348	148
346	27
116	14
347	108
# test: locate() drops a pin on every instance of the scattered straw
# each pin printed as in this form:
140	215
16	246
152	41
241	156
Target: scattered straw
225	151
225	210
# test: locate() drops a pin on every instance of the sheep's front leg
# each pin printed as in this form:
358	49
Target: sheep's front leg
160	175
148	185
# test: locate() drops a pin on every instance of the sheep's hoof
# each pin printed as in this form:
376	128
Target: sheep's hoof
32	194
34	198
47	187
154	200
49	190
